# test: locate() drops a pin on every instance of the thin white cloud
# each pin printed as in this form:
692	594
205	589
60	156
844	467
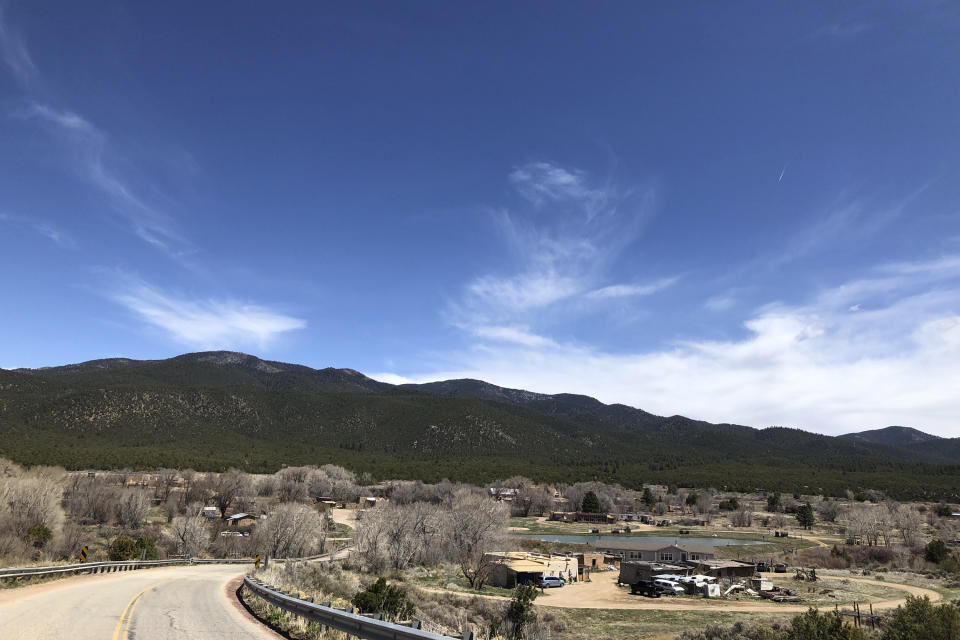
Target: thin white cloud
721	302
513	334
543	182
522	292
561	258
817	367
15	53
205	323
88	149
47	229
842	30
632	290
88	145
391	378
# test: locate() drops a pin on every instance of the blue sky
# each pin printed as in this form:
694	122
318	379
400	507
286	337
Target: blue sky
745	212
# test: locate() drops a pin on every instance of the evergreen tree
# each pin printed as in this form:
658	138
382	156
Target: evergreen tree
648	498
920	620
773	502
591	504
520	612
936	551
805	515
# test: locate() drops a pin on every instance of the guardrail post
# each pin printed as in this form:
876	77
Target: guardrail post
416	624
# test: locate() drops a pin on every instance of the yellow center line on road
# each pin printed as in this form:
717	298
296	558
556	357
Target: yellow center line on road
121	630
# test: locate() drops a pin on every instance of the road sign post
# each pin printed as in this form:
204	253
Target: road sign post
83	553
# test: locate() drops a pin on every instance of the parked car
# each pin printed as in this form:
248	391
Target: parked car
779	568
550	581
670	587
646	588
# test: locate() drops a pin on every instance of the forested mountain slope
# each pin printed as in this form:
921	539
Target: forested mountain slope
221	409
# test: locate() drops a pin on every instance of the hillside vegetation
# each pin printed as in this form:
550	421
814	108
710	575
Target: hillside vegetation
222	409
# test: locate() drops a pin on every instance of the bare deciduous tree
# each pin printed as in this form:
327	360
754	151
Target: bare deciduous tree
829	510
93	502
907	520
266	486
29	501
133	509
188	534
291	530
166	480
475	527
742	517
227	487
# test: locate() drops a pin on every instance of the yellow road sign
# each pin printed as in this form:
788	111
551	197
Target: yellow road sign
256	562
83	553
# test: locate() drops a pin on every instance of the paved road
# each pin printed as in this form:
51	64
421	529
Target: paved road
152	604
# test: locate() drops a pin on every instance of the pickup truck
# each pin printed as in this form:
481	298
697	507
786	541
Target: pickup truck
646	588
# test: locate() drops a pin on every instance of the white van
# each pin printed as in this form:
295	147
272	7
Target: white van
669	586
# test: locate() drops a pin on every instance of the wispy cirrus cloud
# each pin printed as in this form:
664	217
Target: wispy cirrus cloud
205	323
564	247
15	54
47	229
513	334
88	149
545	183
632	290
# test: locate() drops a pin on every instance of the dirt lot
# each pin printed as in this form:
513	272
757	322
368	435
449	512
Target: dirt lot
603	593
345	516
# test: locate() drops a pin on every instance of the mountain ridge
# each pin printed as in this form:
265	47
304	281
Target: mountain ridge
894	435
218	409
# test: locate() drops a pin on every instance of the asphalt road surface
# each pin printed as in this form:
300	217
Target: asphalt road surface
150	604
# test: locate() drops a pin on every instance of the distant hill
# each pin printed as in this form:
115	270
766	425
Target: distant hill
896	436
214	410
912	442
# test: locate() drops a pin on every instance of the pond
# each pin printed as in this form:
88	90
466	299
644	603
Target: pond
595	539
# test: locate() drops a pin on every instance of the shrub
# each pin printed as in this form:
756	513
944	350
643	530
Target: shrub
813	625
380	597
148	548
729	505
123	548
936	551
520	612
38	536
943	510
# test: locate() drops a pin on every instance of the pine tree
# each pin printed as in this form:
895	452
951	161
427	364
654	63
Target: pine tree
591	504
805	516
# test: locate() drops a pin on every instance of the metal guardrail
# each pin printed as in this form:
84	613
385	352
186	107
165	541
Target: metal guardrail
350	623
86	567
132	565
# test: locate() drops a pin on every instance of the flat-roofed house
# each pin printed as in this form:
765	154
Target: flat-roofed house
634	549
727	568
513	568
